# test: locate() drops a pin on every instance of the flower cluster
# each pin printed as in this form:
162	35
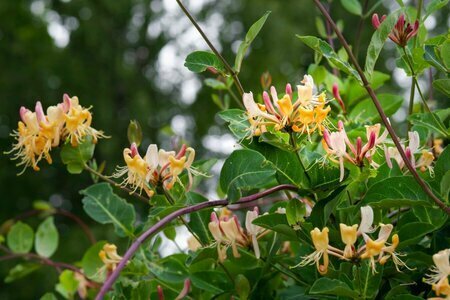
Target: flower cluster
38	132
155	168
423	163
440	272
400	34
306	115
378	250
336	143
227	231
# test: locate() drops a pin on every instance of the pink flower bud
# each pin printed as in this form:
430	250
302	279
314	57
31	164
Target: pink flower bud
268	103
408	154
372	139
214	217
182	151
40	112
375	21
185	290
160	293
337	96
66	103
289	90
358	146
22	113
340	125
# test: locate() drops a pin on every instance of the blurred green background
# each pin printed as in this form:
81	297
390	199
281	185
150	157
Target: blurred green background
125	58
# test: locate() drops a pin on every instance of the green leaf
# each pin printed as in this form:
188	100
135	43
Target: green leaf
48	296
431	121
105	207
433	6
238	120
212	281
199	61
445	53
412	233
443	86
20	238
249	37
20	271
295	212
327	286
377	41
396	192
242	286
67	285
354	92
433	59
276	222
366	110
352	6
198	221
91	262
365	280
244	170
286	163
42	205
76	157
47	238
327	51
215	84
170	269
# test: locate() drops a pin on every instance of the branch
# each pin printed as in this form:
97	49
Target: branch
211	46
158	226
391	131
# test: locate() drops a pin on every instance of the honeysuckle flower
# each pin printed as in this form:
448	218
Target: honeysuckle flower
400	34
425	160
307	114
82	284
320	242
39	132
389	251
78	122
109	257
253	230
155	168
438	278
193	243
337	96
349	236
437	146
227	233
375	247
336	143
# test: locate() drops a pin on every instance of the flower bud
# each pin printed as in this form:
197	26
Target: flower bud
266	80
134	132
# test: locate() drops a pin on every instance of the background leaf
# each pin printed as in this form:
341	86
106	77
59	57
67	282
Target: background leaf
21	270
366	110
105	207
20	238
352	6
327	286
47	238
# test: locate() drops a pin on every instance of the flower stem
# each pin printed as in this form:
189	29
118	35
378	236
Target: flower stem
294	145
380	110
109	180
167	219
213	49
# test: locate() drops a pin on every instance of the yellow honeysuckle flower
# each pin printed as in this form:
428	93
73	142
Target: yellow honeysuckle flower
155	168
38	132
306	115
349	236
320	241
109	256
78	122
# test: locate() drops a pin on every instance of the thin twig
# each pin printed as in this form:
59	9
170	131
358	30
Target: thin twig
109	180
213	49
377	104
167	219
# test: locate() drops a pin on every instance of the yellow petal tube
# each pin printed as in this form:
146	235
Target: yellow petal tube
285	105
349	236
